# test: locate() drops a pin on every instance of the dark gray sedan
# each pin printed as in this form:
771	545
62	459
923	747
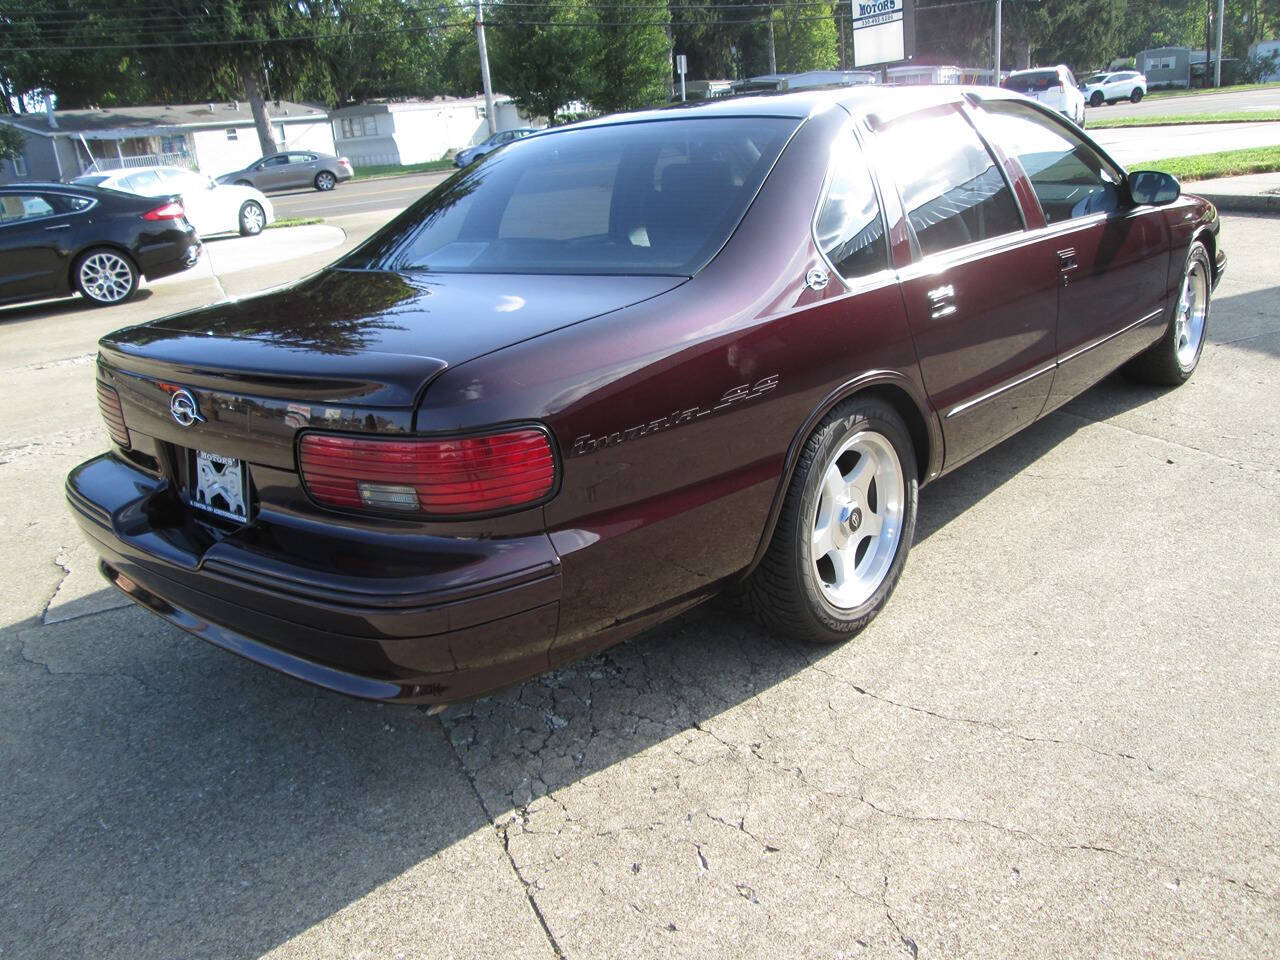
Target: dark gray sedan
294	168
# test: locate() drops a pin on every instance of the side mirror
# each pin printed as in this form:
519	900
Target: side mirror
1153	187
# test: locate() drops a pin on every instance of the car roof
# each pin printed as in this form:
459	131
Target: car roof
863	100
49	186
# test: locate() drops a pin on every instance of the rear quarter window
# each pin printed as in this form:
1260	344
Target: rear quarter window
1032	82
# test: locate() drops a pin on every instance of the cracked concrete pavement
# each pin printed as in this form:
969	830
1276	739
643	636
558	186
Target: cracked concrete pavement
1060	739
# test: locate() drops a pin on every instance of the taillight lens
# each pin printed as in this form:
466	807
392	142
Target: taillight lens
431	476
113	414
170	211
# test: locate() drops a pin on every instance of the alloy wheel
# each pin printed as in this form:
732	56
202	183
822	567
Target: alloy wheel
324	181
1193	308
858	521
252	219
106	277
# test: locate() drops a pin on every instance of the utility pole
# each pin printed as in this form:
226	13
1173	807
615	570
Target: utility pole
484	70
773	56
1217	69
997	40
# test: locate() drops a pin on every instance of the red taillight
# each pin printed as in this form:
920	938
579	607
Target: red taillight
112	414
431	476
170	211
344	161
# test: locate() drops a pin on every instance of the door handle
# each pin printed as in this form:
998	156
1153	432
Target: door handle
59	226
1067	260
942	301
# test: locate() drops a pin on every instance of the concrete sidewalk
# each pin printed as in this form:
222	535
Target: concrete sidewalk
1254	193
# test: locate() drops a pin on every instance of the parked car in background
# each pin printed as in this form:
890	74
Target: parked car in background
56	239
606	374
295	168
494	141
211	207
1055	87
1112	87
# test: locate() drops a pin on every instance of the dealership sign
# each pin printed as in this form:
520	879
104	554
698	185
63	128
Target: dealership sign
883	31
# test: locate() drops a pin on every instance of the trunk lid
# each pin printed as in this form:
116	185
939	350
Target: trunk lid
347	350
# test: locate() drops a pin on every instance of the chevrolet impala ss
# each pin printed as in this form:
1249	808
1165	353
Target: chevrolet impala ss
616	368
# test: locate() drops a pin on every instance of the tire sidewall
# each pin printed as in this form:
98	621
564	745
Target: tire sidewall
830	436
1198	252
133	271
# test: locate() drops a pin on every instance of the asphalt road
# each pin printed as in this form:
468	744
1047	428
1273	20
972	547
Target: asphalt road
1268	99
1135	144
1059	740
355	196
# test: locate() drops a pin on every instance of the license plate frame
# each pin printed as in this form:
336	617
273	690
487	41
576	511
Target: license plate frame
219	486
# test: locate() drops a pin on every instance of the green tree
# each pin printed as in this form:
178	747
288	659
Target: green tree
541	52
630	59
11	141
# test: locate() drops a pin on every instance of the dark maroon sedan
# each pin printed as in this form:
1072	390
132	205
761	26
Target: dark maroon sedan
616	368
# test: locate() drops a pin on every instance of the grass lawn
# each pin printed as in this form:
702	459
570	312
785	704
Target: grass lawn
1199	92
1206	166
1233	116
294	222
395	169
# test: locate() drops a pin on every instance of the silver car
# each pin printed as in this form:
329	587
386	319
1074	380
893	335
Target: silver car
294	168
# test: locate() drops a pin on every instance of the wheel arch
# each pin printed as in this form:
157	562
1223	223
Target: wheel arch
892	388
73	262
1210	241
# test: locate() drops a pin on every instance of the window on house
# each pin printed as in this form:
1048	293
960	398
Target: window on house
19	165
359	127
233	133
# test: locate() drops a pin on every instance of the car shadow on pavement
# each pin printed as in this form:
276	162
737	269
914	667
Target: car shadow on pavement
165	799
40	309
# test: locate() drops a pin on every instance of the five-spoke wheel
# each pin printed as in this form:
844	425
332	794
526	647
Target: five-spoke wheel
845	526
106	276
1174	357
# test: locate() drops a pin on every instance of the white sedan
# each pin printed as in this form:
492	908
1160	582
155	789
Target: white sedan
1109	87
212	207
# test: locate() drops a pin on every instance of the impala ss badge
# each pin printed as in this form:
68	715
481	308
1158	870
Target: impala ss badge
730	398
185	410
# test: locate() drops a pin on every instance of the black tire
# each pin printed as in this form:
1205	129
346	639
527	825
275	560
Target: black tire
1160	363
253	219
1097	99
325	181
105	276
783	591
1136	96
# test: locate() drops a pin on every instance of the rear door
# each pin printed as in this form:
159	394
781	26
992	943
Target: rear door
981	293
1113	258
302	169
33	234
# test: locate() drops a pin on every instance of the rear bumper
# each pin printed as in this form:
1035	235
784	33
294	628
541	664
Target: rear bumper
165	263
482	617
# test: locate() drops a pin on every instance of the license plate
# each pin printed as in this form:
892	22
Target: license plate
220	485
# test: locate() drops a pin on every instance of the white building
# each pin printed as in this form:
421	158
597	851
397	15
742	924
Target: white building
1265	48
213	138
417	131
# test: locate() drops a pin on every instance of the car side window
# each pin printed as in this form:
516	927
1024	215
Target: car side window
1070	178
23	206
275	161
951	188
850	229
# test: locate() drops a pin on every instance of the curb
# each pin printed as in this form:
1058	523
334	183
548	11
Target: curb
1241	202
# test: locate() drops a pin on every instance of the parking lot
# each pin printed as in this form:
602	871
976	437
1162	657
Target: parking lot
1060	739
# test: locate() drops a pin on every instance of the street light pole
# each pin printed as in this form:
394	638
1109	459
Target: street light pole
484	69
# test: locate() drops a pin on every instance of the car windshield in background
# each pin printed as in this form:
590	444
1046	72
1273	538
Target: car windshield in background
1032	82
657	197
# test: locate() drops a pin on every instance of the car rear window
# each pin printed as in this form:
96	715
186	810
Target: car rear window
1032	82
657	197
